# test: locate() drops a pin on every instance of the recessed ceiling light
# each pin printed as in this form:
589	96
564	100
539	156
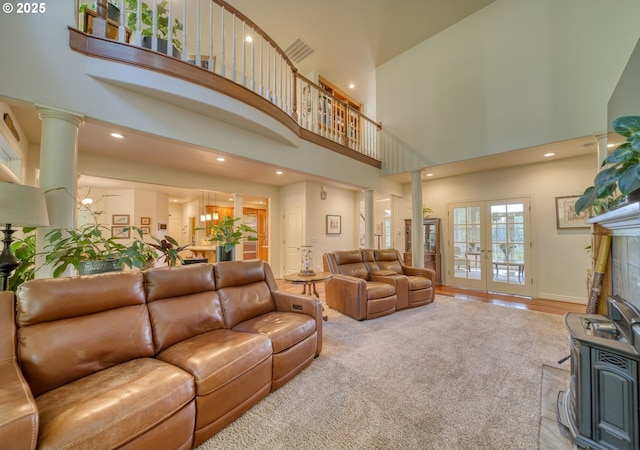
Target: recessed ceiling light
248	39
87	201
546	155
220	158
429	175
611	144
279	172
117	135
351	86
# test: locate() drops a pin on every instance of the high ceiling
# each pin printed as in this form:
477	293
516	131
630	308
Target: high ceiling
349	40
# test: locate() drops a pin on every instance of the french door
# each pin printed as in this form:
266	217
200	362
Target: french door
489	246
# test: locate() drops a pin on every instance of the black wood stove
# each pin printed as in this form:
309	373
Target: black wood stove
600	408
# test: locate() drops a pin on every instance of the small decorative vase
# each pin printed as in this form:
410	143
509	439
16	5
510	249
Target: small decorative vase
307	260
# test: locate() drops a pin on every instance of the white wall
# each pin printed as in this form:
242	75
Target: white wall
560	260
516	74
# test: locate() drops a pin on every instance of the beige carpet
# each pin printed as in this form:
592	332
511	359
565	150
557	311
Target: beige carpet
456	374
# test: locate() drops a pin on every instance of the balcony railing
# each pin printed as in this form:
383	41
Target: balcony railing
213	35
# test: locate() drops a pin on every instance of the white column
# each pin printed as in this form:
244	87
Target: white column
603	150
238	205
417	238
58	169
369	219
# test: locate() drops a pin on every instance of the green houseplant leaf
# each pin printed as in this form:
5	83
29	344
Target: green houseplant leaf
228	235
620	170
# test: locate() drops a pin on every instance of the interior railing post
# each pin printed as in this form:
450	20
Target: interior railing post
122	30
100	21
294	94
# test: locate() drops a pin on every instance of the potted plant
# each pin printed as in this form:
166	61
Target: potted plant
162	19
113	10
620	170
25	252
227	235
168	247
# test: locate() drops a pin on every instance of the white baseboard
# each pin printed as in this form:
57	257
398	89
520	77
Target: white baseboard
563	298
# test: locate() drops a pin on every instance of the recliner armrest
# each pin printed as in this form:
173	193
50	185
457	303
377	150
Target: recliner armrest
420	272
301	304
19	413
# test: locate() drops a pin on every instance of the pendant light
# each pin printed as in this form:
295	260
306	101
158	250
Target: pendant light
207	216
215	207
202	215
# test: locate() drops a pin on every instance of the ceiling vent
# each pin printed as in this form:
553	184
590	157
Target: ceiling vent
298	50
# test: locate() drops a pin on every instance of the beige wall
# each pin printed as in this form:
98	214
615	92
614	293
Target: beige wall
516	74
560	261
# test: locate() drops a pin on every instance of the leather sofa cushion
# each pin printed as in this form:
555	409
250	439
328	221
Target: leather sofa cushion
285	329
48	299
182	303
240	303
109	408
75	326
376	289
167	282
239	273
218	357
348	257
385	254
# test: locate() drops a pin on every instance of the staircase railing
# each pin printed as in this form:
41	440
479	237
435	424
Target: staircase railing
220	39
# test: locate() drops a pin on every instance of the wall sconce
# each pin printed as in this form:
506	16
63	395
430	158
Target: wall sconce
22	206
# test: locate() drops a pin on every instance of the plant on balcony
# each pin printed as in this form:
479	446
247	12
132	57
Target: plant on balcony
620	170
228	235
162	18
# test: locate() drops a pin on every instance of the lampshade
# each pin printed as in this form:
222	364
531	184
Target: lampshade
22	206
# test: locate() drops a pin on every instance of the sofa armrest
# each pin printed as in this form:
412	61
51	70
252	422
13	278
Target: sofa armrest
348	295
301	304
420	272
401	283
19	413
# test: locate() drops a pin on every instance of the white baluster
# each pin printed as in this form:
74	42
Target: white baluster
154	28
170	29
244	46
138	34
260	68
252	82
185	25
198	52
267	93
211	64
222	44
233	48
122	32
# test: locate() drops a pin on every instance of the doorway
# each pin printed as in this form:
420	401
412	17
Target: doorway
490	246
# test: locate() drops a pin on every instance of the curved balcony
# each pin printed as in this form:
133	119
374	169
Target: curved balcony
216	46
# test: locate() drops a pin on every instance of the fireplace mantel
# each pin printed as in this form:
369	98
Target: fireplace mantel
624	221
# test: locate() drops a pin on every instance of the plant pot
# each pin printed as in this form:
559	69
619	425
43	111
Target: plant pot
100	266
222	255
147	42
113	13
634	196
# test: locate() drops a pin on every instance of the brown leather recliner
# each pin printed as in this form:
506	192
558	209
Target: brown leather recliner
421	281
354	291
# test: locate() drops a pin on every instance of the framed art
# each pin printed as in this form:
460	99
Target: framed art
146	230
121	232
334	224
566	217
145	220
120	219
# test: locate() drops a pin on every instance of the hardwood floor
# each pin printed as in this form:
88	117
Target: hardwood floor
510	301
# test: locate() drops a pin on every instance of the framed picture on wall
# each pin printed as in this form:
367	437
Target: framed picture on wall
120	219
334	224
121	232
145	220
566	217
145	230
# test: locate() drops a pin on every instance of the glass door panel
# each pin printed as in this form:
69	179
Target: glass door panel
466	267
489	246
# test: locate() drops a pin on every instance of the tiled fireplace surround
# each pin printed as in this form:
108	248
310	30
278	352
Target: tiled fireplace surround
625	268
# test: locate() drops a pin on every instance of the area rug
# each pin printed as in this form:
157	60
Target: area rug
455	374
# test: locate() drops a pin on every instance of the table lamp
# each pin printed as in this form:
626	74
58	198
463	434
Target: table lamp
22	206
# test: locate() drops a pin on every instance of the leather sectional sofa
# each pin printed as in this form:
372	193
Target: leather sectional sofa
163	358
368	283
